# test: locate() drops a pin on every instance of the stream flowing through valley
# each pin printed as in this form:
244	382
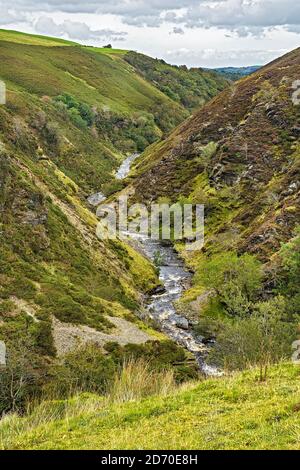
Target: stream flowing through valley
175	279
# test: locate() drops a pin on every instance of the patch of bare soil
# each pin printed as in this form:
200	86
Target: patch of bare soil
68	337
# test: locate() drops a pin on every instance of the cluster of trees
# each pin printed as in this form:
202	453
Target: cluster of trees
191	88
80	114
251	328
127	133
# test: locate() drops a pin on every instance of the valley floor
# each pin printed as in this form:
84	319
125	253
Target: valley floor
228	413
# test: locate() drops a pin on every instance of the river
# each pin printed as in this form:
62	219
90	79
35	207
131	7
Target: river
175	278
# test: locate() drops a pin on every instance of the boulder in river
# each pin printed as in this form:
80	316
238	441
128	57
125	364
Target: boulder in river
179	321
159	290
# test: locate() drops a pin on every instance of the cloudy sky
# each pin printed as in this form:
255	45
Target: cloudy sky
206	33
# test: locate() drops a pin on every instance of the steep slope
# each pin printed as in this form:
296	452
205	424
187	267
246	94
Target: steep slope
51	259
48	88
189	87
231	413
239	155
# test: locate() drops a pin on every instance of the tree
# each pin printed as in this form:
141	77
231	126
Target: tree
77	119
86	113
263	338
21	379
236	280
290	282
84	370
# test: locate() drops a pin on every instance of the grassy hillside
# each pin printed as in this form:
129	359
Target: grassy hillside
36	74
189	87
32	39
228	413
51	258
52	157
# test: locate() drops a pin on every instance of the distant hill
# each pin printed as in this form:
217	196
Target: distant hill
235	73
189	87
126	111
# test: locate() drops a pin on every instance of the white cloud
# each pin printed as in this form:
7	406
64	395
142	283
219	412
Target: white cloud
75	30
240	32
132	12
8	16
245	16
216	58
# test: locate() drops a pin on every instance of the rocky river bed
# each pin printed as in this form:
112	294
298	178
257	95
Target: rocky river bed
160	304
175	278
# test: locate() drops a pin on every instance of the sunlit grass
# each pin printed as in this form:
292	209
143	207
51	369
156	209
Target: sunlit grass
235	412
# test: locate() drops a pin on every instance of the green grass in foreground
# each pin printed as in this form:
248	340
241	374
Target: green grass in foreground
228	413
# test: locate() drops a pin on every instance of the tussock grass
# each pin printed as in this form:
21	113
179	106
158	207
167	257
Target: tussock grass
137	380
236	412
134	381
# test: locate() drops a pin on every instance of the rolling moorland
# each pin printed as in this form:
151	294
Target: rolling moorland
72	113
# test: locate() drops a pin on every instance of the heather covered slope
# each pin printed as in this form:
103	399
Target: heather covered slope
239	155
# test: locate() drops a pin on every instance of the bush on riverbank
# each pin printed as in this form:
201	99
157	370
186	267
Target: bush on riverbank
28	378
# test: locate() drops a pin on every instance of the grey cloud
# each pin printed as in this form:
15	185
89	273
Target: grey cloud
8	16
132	12
243	17
293	28
177	30
75	30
